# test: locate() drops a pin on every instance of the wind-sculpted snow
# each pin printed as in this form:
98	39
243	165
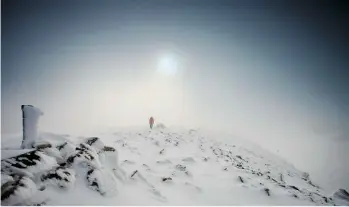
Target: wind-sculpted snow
162	166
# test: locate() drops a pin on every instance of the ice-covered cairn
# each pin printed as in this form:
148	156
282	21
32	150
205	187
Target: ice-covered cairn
30	115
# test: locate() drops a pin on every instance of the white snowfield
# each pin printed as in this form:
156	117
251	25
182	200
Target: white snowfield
163	166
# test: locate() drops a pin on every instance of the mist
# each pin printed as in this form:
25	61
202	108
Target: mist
265	72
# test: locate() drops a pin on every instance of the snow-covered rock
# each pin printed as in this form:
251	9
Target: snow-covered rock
187	164
66	149
61	177
16	192
109	157
28	164
102	181
94	142
84	155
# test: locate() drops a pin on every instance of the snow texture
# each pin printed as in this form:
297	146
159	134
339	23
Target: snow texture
31	116
163	166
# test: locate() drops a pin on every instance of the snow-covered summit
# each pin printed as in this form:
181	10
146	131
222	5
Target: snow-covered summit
164	166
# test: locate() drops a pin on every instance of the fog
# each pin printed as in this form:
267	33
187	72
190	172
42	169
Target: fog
248	70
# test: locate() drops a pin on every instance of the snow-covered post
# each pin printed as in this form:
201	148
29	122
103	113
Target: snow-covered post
30	117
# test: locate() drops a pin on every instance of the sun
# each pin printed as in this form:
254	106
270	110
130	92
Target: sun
168	65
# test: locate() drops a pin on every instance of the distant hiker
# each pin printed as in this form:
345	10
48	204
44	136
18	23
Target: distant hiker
151	122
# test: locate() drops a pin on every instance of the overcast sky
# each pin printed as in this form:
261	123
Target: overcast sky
272	71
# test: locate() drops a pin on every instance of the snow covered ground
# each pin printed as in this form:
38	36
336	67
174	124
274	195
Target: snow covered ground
138	166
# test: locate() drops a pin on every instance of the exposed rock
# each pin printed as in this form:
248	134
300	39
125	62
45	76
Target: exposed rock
166	179
134	173
267	191
108	149
293	187
238	156
325	199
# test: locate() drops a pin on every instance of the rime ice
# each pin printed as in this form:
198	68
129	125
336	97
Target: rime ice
30	115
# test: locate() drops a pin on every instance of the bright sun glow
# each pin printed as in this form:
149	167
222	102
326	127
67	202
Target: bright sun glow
168	65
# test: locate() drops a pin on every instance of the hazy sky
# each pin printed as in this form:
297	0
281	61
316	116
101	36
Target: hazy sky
273	71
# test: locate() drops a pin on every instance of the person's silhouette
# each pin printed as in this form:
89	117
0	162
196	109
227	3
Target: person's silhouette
151	122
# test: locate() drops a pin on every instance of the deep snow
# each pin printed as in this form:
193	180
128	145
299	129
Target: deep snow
167	166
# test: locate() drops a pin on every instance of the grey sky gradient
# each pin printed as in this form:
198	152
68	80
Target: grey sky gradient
273	71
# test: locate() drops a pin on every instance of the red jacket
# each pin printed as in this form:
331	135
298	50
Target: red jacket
151	121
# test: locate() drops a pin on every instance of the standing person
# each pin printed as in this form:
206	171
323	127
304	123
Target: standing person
151	122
